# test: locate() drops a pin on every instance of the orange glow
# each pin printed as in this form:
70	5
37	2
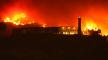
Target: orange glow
91	26
44	25
19	19
68	30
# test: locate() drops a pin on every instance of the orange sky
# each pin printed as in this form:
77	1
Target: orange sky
60	12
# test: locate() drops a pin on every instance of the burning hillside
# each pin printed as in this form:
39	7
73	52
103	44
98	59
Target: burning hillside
19	19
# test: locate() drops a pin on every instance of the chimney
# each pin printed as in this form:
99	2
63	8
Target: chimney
79	26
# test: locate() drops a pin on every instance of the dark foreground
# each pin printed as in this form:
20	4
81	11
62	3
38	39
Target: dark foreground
53	47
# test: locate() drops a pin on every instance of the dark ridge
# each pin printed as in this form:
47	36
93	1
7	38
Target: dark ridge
47	46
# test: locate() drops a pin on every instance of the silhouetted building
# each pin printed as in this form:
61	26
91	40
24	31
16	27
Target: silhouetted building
79	25
36	30
92	32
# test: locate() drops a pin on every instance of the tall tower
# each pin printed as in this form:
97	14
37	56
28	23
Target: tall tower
79	26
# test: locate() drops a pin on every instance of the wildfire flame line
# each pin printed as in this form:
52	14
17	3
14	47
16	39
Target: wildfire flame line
19	19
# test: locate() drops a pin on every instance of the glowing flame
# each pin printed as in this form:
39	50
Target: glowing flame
22	19
91	26
68	30
44	25
19	19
